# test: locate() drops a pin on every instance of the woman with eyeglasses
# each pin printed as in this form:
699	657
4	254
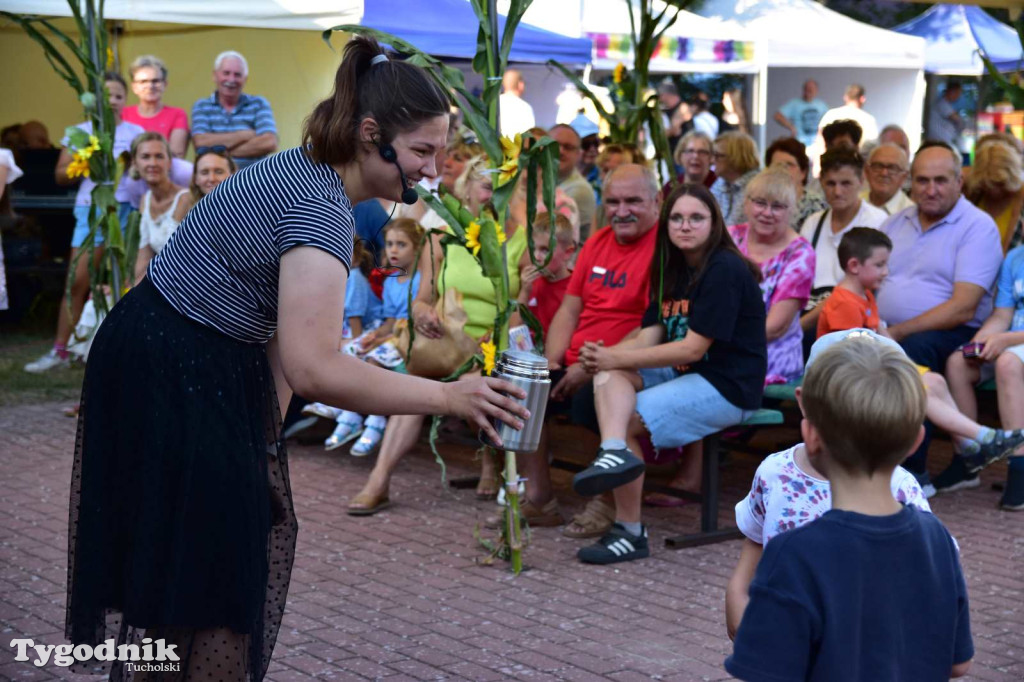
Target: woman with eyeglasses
736	163
789	154
149	81
213	166
787	265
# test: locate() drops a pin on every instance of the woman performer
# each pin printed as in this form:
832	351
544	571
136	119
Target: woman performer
182	525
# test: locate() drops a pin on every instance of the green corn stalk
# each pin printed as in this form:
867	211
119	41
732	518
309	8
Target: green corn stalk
537	158
88	57
632	110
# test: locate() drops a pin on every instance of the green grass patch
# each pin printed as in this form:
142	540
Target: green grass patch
18	387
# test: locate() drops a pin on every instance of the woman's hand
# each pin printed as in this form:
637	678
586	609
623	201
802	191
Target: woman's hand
426	321
596	358
479	400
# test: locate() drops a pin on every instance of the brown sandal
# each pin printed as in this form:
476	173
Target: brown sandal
594	521
365	504
536	517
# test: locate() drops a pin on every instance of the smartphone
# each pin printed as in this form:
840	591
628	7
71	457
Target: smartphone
972	350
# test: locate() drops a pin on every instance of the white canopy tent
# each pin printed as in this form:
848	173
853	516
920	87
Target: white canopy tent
693	44
301	15
801	39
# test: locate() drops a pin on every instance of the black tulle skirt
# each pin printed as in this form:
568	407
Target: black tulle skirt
181	523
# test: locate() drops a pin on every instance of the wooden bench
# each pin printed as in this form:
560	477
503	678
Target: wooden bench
709	488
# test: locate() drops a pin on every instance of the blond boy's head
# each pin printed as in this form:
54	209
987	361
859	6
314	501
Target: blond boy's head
565	241
866	402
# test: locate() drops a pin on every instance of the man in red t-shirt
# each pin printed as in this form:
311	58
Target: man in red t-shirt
605	301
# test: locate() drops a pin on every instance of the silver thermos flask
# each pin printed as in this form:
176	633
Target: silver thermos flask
529	372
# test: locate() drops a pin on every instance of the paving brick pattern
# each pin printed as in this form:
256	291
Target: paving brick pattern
401	596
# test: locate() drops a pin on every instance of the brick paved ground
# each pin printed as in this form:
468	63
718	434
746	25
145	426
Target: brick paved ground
400	597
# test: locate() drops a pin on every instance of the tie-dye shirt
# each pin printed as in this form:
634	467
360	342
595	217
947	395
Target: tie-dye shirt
783	497
789	274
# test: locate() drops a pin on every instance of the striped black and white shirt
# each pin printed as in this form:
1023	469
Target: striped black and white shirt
220	267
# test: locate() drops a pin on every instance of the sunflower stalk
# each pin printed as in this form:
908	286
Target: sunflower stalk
110	263
483	235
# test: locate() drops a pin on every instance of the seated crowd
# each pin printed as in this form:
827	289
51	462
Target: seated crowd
666	310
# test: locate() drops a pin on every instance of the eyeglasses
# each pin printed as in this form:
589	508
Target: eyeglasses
149	81
693	220
704	153
890	168
216	149
775	207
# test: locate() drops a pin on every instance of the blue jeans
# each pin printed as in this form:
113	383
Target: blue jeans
81	214
678	409
931	349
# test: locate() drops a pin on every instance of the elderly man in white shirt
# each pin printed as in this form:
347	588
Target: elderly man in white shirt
886	172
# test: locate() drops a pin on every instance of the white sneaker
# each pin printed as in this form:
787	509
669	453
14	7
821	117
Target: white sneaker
49	361
321	410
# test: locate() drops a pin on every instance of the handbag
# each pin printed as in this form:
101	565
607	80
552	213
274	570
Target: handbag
438	358
818	294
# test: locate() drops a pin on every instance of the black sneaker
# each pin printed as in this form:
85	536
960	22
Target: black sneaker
1013	494
956	477
1000	447
618	544
611	469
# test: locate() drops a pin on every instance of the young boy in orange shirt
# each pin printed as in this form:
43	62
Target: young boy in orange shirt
864	256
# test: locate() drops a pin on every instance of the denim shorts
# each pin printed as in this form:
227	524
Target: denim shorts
81	214
678	409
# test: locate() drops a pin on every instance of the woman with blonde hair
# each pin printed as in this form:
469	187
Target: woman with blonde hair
475	185
996	186
164	205
736	164
787	264
459	153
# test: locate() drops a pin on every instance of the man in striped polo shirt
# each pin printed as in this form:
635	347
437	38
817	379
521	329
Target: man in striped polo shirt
241	124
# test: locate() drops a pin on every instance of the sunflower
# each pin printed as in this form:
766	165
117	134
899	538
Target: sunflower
473	237
94	146
488	349
619	74
510	148
78	167
501	234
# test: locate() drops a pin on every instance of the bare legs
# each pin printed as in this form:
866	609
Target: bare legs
943	410
1010	385
79	294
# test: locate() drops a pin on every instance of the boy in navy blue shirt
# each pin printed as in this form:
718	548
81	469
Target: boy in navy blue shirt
873	590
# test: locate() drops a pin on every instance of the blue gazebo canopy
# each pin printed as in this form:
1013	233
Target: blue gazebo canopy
448	28
955	33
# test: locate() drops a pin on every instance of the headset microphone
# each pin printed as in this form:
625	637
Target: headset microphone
409	195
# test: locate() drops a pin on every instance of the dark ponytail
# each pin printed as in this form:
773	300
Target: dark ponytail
399	96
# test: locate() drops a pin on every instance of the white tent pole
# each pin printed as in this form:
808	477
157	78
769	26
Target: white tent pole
760	113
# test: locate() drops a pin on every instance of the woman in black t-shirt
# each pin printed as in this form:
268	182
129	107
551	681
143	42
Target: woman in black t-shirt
182	526
696	365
